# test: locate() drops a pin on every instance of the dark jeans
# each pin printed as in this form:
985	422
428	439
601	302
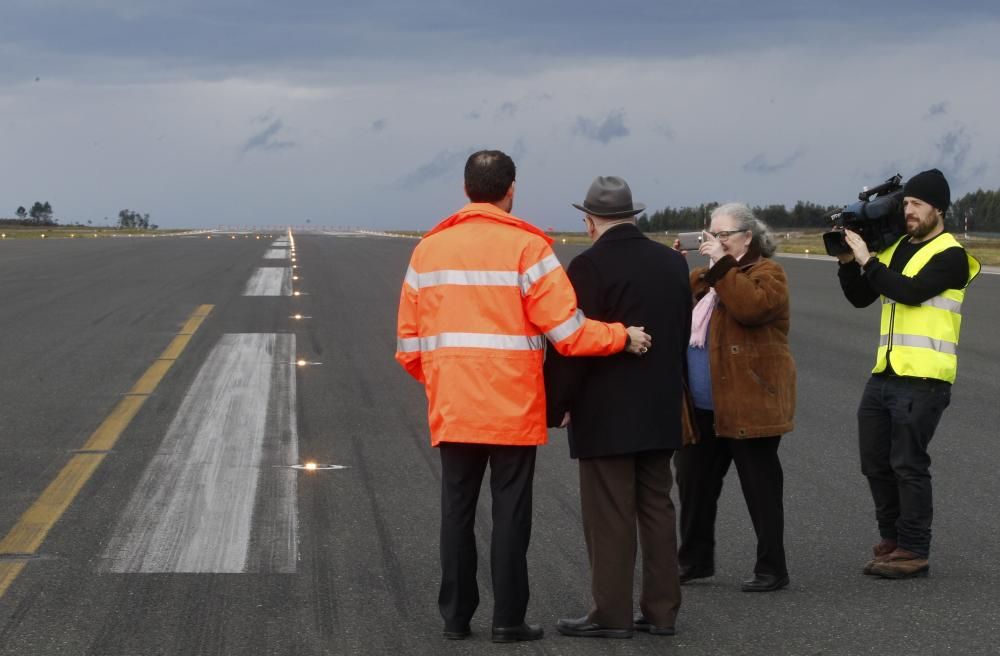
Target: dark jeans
896	421
512	469
701	469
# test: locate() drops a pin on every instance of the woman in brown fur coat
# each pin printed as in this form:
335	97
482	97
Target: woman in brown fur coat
742	380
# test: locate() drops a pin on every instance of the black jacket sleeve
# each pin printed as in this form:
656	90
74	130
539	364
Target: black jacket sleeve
564	375
855	285
949	269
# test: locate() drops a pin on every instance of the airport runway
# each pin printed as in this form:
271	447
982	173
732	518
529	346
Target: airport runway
156	381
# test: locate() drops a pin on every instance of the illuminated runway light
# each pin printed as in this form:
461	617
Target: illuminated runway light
300	317
315	466
43	236
295	277
306	363
258	237
209	237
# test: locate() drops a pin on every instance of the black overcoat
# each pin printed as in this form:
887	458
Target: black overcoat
625	403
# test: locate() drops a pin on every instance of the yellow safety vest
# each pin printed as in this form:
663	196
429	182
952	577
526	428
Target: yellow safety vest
923	339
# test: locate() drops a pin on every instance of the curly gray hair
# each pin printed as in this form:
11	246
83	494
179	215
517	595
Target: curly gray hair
761	237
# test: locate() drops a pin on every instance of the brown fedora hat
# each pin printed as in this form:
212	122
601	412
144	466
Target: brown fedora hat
609	197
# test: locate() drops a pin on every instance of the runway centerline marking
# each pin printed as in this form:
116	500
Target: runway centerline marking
270	281
31	529
210	500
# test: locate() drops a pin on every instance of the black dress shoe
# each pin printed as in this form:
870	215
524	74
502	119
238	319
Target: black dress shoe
457	634
692	573
640	623
584	628
765	583
517	633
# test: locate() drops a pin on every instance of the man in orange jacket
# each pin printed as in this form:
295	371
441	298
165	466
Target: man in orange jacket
482	294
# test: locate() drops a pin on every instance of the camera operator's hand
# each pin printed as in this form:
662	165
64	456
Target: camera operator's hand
858	247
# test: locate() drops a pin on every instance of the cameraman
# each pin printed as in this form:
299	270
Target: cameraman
922	280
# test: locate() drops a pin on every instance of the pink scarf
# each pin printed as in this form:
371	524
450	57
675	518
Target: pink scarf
699	318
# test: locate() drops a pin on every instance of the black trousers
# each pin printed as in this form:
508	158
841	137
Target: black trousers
896	421
512	470
619	494
701	469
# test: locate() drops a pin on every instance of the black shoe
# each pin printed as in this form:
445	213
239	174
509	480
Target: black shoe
765	583
584	628
517	633
460	634
692	573
640	623
457	634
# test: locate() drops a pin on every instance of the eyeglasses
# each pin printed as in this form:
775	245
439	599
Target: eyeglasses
724	235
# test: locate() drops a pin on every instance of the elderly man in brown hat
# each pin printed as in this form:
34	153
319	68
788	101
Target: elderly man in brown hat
624	416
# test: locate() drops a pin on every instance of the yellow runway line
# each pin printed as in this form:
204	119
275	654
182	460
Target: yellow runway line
152	377
29	532
111	428
34	525
9	569
173	351
195	320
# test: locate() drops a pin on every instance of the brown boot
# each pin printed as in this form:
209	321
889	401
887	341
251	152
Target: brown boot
881	551
901	564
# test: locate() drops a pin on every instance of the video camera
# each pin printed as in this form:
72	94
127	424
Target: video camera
877	217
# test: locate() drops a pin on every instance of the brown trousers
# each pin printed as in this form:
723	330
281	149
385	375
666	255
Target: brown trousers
617	493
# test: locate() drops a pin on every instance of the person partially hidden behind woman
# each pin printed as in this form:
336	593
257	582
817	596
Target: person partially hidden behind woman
742	380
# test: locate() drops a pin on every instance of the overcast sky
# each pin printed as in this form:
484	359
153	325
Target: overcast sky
246	112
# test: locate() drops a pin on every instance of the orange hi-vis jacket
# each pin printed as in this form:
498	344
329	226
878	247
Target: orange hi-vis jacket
482	293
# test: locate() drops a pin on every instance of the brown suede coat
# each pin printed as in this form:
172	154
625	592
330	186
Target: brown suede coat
753	373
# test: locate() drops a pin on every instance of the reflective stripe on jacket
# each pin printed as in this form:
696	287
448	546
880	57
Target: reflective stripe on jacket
481	295
923	339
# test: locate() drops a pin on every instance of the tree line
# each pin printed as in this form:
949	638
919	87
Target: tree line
981	208
41	214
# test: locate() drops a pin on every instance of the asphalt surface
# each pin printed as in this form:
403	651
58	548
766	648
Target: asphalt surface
80	321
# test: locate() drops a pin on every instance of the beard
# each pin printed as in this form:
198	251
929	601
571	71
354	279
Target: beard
922	227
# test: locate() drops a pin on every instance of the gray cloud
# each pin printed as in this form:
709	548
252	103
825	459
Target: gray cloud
760	164
937	109
506	110
952	157
519	151
116	39
265	139
445	162
602	130
379	125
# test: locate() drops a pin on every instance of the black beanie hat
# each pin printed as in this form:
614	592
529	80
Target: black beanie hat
930	187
